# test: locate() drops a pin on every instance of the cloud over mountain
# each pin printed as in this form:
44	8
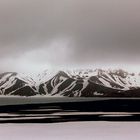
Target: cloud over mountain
49	33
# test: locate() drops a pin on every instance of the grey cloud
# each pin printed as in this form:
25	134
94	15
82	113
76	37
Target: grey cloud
99	31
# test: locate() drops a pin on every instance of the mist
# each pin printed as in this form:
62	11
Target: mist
49	34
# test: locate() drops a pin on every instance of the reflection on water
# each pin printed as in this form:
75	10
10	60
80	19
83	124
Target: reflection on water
101	110
54	115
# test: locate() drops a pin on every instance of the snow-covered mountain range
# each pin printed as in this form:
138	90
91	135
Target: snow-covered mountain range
72	83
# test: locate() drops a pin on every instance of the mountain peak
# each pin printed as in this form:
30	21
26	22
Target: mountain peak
79	82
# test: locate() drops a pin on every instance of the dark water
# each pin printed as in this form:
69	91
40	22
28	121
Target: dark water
52	110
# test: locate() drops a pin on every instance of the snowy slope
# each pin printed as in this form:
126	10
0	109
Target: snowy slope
89	82
11	83
70	83
118	79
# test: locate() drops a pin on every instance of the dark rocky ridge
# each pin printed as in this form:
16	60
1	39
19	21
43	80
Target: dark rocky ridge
117	83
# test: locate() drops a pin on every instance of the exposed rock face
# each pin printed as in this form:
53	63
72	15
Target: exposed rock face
76	83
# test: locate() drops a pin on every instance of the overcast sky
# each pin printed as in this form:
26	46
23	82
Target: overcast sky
41	34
